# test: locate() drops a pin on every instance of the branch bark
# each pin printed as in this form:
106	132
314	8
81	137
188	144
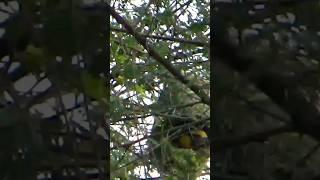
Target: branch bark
153	53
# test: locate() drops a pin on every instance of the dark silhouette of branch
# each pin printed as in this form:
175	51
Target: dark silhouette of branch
308	155
222	144
282	90
229	177
255	107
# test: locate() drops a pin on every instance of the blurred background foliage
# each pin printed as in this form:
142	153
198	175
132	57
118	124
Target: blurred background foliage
53	90
254	40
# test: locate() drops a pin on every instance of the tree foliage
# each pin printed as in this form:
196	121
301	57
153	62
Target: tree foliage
156	47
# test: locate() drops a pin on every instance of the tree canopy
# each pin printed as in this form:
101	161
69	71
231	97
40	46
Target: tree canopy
160	71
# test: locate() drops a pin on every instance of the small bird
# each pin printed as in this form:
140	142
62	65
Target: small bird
193	140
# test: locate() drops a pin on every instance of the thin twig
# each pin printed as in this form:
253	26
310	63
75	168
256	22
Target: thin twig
186	41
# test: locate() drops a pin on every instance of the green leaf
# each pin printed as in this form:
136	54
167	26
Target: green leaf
140	89
129	71
163	48
131	42
121	79
167	17
197	27
94	86
122	59
35	58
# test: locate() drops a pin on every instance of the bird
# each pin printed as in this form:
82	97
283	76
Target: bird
193	140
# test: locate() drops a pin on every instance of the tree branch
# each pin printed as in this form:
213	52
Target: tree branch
153	53
180	40
222	144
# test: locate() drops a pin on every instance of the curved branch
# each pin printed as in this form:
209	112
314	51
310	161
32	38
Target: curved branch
164	62
222	144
